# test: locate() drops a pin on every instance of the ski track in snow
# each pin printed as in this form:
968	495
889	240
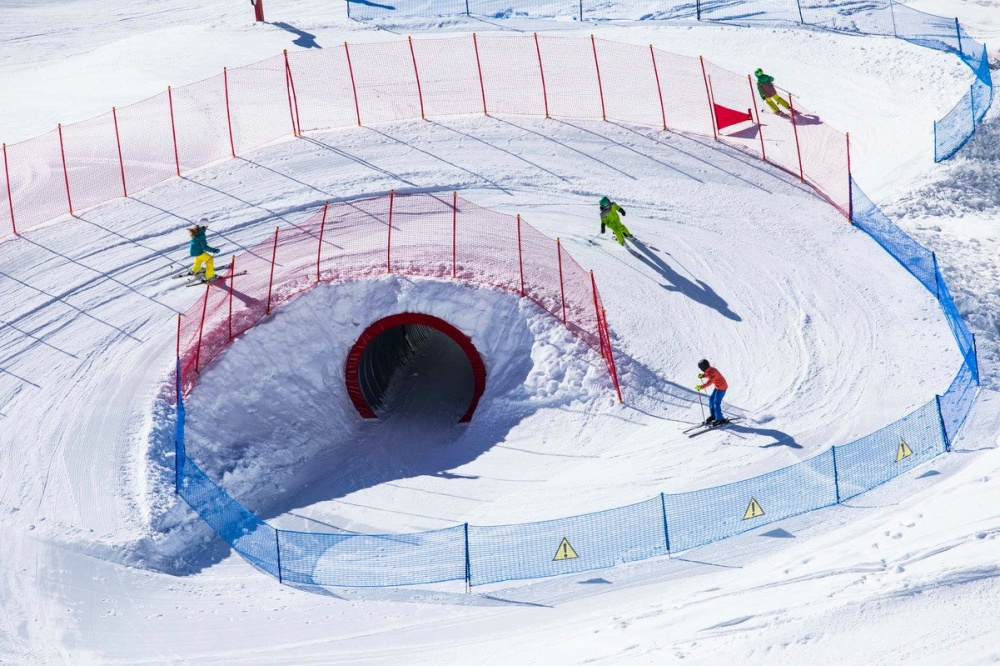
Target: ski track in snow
86	343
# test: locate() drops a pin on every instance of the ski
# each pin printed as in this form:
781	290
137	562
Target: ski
189	274
217	278
707	428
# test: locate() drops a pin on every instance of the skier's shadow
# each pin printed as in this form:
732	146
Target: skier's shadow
697	291
780	438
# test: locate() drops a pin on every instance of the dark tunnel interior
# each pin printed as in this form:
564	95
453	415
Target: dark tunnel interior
416	371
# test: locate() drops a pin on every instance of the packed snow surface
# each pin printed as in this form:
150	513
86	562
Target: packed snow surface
822	336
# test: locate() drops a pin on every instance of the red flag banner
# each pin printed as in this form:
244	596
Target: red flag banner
725	117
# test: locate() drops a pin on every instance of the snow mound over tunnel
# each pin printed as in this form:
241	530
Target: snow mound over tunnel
271	420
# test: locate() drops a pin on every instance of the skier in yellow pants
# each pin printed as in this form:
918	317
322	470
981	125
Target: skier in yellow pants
768	93
611	220
200	251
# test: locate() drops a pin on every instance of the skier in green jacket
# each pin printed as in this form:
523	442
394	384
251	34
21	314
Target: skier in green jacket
768	93
610	219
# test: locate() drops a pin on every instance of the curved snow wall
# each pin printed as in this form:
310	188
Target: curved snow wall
881	17
417	234
660	525
134	147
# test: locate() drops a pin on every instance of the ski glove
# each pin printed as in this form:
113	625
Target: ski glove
697	387
700	375
602	227
621	210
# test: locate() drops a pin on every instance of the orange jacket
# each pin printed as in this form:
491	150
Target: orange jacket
714	378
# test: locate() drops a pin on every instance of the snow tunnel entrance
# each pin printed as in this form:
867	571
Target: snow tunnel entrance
415	360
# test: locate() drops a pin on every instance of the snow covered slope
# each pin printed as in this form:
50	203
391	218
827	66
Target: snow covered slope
825	335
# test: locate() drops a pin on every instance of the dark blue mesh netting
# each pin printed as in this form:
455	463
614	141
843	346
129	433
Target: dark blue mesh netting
874	459
592	541
379	560
251	537
703	516
917	259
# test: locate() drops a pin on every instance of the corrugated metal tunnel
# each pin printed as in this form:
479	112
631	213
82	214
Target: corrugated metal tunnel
393	346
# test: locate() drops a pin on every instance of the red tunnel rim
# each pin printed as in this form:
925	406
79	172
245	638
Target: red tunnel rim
402	319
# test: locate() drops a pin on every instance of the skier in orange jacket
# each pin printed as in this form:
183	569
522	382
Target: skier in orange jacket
712	377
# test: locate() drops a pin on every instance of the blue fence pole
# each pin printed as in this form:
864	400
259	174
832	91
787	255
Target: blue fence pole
958	31
348	8
467	8
468	562
944	431
975	356
972	104
581	11
799	5
277	549
935	141
666	533
892	13
937	277
836	479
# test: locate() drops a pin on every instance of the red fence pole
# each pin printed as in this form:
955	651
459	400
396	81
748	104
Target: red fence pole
708	94
270	284
201	330
520	254
416	74
388	246
482	88
288	91
850	183
756	115
232	279
545	95
118	140
10	199
62	151
295	98
600	88
659	91
562	291
229	119
319	251
798	150
611	358
173	130
354	87
597	312
258	10
454	234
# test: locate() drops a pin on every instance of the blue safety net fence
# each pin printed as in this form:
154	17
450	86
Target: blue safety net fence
875	17
668	522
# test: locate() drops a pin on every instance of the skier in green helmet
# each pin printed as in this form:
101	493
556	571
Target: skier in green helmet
611	220
768	93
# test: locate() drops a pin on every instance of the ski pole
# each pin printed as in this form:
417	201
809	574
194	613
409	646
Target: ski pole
701	403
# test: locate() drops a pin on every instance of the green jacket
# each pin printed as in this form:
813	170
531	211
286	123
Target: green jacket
765	86
609	217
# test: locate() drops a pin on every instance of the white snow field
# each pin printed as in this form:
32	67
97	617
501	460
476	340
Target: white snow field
822	336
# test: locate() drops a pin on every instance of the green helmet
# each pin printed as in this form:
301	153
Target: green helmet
605	202
758	72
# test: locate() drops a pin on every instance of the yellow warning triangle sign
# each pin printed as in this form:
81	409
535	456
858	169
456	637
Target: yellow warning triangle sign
903	451
753	511
565	551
